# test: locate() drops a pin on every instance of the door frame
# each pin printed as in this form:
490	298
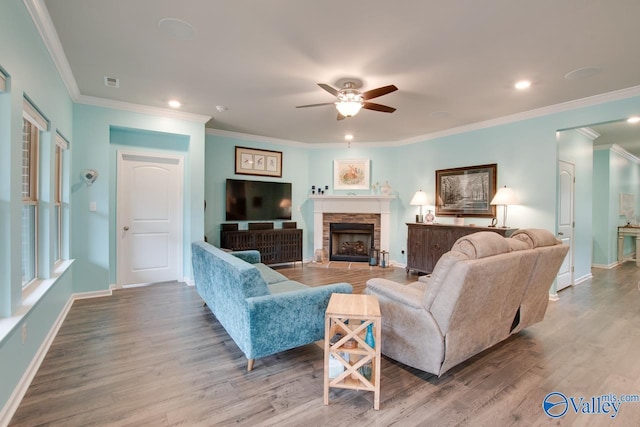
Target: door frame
151	157
570	254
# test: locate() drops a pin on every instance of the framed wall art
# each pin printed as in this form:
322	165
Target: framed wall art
351	174
250	161
466	191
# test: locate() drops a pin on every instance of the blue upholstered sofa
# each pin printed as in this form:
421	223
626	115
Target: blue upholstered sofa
261	309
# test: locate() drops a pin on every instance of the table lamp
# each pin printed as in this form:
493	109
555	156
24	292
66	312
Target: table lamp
419	199
505	197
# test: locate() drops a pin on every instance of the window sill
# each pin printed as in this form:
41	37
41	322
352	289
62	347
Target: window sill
31	294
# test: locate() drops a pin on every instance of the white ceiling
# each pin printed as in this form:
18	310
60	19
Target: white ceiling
454	62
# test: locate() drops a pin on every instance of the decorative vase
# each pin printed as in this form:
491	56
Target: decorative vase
369	339
386	189
367	369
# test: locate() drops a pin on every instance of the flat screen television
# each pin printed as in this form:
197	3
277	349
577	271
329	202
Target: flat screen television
258	200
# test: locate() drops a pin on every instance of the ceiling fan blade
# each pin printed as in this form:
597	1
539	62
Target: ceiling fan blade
316	105
377	107
329	89
340	117
374	93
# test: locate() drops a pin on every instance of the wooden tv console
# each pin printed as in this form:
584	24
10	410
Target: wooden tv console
276	246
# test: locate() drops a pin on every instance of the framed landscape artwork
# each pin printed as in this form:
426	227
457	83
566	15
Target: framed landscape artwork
466	191
351	174
250	161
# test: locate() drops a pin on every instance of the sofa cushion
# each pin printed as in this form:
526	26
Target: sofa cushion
269	275
481	245
535	237
286	286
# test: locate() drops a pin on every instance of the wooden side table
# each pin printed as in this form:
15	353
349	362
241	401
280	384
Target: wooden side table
350	315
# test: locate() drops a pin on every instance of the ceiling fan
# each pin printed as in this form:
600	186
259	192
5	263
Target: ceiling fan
349	100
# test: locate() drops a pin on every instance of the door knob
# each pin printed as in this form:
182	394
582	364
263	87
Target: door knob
126	228
560	233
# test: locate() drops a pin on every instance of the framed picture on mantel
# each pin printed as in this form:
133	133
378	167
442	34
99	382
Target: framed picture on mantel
466	191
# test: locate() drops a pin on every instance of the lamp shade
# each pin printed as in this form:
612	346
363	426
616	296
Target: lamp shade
348	108
419	199
505	196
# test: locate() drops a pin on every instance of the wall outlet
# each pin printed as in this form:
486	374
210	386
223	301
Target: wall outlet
93	207
24	333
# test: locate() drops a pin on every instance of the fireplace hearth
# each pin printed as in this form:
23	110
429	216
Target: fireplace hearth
350	241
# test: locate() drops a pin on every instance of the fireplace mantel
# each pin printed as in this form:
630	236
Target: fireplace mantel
376	204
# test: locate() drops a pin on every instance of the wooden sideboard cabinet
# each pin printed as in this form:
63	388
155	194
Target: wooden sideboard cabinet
426	243
275	246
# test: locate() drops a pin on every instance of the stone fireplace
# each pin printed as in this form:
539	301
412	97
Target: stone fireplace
370	210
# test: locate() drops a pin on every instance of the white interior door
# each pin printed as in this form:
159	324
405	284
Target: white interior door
149	219
566	185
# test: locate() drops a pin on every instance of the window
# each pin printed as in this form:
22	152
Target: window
32	123
29	223
61	145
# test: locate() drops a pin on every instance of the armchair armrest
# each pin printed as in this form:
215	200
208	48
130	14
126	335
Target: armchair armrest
395	292
286	320
250	256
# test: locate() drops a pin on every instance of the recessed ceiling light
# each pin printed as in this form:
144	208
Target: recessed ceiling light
221	108
174	103
582	73
522	84
348	137
634	119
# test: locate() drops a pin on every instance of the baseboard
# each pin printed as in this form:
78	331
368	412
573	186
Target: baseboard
606	266
94	294
583	279
12	404
23	385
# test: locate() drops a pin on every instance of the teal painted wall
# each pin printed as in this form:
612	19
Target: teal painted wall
614	174
93	233
25	59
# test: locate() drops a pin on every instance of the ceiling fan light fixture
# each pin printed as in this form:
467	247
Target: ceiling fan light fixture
348	108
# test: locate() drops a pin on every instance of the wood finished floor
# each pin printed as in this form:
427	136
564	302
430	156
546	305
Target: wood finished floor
155	356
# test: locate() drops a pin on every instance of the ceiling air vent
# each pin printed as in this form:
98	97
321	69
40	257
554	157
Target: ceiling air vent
111	81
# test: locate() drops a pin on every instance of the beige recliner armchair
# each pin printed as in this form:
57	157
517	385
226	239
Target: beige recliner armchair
486	288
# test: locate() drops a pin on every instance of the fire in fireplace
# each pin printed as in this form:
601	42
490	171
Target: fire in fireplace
350	241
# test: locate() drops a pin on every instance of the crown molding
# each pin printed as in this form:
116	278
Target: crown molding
40	16
624	153
256	138
142	109
531	114
618	150
588	132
